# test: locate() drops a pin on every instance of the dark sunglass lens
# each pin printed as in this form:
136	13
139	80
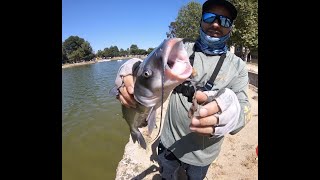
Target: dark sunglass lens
225	22
209	20
208	17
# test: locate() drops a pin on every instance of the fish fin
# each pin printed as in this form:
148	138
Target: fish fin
137	136
113	91
151	119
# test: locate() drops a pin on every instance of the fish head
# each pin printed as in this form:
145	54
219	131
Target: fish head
165	67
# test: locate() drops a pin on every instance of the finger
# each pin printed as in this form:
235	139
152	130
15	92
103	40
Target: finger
128	82
208	130
129	99
201	97
206	121
123	92
124	102
209	109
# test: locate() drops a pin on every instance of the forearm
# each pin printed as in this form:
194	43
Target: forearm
240	87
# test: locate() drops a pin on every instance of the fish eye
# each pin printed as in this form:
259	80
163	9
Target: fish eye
147	73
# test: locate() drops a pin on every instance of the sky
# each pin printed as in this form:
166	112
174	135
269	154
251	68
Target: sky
121	23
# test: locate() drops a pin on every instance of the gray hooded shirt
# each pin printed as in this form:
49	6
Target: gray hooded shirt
190	147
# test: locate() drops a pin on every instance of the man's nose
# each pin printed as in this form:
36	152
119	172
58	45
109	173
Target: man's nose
215	23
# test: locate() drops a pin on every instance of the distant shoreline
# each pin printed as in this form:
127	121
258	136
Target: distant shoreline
67	65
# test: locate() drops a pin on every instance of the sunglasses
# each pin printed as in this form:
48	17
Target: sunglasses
211	17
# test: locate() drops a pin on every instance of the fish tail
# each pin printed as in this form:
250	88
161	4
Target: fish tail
137	136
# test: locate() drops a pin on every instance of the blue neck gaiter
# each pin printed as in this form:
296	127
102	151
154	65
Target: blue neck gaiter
212	45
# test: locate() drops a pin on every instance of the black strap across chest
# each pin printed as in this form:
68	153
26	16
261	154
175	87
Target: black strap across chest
216	70
186	89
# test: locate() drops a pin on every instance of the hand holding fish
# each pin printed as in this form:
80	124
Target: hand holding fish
126	91
143	85
204	119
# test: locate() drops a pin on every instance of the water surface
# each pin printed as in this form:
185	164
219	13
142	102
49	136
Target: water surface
93	131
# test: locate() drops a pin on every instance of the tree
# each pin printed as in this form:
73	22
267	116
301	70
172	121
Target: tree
122	52
72	43
134	49
113	51
245	28
77	49
142	52
100	54
150	50
187	23
64	56
172	30
75	56
245	31
86	51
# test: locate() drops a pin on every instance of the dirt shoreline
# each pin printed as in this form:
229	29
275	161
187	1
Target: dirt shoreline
237	160
67	65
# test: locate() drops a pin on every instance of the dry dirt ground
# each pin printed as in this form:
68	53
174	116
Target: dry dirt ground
237	159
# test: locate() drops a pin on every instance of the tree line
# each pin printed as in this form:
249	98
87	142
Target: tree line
76	49
186	25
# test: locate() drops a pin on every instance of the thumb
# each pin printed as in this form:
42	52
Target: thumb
201	97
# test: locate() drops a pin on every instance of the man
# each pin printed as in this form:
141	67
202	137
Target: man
192	143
